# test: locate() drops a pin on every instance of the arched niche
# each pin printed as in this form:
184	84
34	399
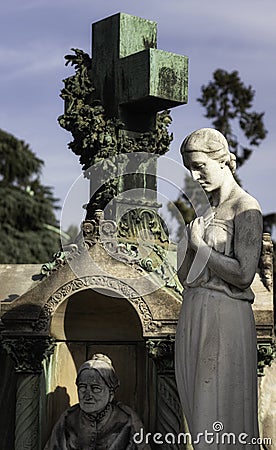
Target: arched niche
89	322
77	318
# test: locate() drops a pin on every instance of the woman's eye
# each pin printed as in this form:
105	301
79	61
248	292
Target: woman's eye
97	390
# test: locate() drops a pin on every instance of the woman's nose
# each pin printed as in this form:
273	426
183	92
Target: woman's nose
88	392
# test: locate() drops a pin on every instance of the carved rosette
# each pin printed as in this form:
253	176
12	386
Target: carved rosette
95	281
99	230
96	230
28	352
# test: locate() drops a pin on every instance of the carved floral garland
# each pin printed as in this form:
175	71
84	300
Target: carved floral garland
43	322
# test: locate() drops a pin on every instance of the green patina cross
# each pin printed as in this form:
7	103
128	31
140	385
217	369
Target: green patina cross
131	77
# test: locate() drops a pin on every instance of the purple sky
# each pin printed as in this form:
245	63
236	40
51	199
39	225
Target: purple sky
36	34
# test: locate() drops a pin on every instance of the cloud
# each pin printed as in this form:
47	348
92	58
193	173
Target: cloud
33	60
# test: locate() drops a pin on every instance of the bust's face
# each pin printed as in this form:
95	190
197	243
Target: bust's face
93	392
209	173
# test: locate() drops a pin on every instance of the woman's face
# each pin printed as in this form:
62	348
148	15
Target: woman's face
93	392
207	171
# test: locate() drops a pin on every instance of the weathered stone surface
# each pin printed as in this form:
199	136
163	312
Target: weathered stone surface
16	279
38	292
215	343
128	70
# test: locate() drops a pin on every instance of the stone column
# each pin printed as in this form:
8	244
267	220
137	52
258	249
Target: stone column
170	420
28	353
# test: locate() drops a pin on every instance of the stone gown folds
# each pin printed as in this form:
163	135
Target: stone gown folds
216	356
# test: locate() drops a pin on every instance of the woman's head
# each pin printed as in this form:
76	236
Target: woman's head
103	365
96	381
210	142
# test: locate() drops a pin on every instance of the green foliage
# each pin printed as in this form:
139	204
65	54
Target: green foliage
97	137
228	103
26	206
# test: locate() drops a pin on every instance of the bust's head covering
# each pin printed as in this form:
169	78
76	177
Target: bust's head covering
103	365
209	141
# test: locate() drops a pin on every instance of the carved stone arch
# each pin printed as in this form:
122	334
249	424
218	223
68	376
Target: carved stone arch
100	282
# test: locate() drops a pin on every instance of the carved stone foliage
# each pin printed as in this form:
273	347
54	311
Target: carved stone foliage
93	231
96	281
133	241
266	354
97	137
59	259
144	223
28	352
266	262
162	352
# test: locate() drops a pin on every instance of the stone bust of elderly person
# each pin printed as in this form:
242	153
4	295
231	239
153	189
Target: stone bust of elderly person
97	421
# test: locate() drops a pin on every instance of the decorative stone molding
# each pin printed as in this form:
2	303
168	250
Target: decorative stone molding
138	229
59	259
139	222
266	262
95	281
27	413
266	354
170	419
162	352
95	230
28	352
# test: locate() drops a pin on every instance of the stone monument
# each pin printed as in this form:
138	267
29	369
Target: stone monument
216	360
115	289
107	293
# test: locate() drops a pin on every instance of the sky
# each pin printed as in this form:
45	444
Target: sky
35	35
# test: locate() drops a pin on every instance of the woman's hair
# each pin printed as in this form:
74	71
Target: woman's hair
103	365
212	142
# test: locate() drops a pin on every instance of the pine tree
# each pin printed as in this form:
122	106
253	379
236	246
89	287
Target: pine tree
28	226
228	104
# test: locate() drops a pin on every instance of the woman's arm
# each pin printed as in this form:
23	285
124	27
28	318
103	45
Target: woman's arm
184	263
240	269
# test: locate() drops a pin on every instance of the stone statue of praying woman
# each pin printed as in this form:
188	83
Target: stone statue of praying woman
97	421
216	349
